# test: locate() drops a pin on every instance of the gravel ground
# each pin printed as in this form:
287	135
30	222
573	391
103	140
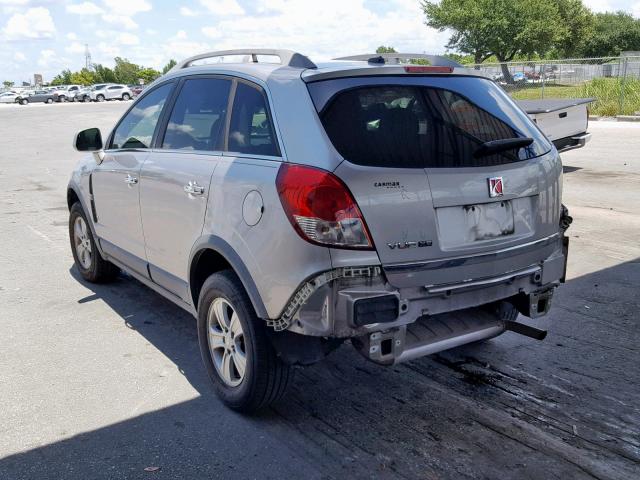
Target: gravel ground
104	381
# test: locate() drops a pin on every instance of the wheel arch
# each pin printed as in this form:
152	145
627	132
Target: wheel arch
212	254
72	197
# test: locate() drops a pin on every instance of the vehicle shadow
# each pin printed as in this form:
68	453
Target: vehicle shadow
570	169
566	405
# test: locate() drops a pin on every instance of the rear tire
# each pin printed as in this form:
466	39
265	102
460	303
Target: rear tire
100	98
86	256
231	334
24	101
49	100
125	96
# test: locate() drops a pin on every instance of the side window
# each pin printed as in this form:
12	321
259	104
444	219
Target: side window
137	127
198	117
251	130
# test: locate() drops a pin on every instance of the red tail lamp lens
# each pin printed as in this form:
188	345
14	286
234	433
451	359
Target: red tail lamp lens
321	208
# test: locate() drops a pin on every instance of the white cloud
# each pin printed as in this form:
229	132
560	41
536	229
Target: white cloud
128	7
75	47
34	23
328	29
187	12
19	57
181	34
122	21
599	5
127	39
635	9
71	36
223	7
47	56
211	32
85	8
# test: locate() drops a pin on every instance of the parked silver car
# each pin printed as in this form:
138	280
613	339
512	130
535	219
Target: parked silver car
10	97
100	93
289	206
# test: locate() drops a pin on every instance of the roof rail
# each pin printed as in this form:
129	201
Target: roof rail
395	58
287	57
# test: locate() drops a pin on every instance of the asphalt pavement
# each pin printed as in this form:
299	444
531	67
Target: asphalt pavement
105	381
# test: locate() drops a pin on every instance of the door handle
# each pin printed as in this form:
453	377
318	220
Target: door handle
129	180
192	188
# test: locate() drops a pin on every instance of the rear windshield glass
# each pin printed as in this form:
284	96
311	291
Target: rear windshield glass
428	123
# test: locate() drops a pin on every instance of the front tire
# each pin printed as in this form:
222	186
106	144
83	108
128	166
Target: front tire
49	100
24	101
246	373
100	98
86	256
125	96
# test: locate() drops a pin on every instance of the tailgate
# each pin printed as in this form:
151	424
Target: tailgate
559	118
437	206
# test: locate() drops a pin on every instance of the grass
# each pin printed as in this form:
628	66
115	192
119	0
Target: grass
606	90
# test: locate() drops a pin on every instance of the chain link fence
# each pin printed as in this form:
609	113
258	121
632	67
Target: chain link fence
613	81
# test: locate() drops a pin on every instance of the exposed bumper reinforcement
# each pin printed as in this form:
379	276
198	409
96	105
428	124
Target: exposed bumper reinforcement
429	335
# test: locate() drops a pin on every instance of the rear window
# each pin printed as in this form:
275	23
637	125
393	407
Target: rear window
418	123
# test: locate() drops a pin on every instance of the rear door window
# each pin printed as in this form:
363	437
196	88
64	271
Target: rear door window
251	130
420	126
199	114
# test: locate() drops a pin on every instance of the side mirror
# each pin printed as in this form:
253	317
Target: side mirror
89	140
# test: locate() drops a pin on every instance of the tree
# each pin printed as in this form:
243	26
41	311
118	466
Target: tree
172	63
83	77
103	74
148	75
579	22
7	84
126	71
612	33
504	28
64	78
383	49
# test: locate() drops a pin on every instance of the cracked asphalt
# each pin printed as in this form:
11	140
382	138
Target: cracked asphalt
104	381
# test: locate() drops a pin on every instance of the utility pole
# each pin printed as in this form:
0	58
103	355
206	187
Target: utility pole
87	57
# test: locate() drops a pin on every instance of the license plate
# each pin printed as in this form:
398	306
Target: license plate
489	220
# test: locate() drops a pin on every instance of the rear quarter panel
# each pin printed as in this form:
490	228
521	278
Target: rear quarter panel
277	259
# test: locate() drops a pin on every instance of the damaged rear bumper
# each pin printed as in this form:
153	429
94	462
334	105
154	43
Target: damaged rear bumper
352	302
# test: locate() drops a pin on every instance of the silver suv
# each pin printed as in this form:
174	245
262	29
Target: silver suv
100	93
291	206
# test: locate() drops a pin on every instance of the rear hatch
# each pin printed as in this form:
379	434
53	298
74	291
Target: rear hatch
441	210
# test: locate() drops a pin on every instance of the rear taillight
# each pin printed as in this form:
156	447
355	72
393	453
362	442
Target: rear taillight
321	208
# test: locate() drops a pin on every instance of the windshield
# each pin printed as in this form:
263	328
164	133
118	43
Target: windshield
424	122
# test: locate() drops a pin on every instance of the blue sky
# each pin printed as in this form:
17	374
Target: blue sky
48	35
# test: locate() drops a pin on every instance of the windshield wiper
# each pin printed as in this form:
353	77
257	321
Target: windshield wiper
496	146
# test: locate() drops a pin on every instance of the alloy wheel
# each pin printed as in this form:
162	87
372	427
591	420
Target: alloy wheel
226	342
82	242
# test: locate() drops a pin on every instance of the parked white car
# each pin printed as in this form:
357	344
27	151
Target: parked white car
66	93
110	92
9	97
